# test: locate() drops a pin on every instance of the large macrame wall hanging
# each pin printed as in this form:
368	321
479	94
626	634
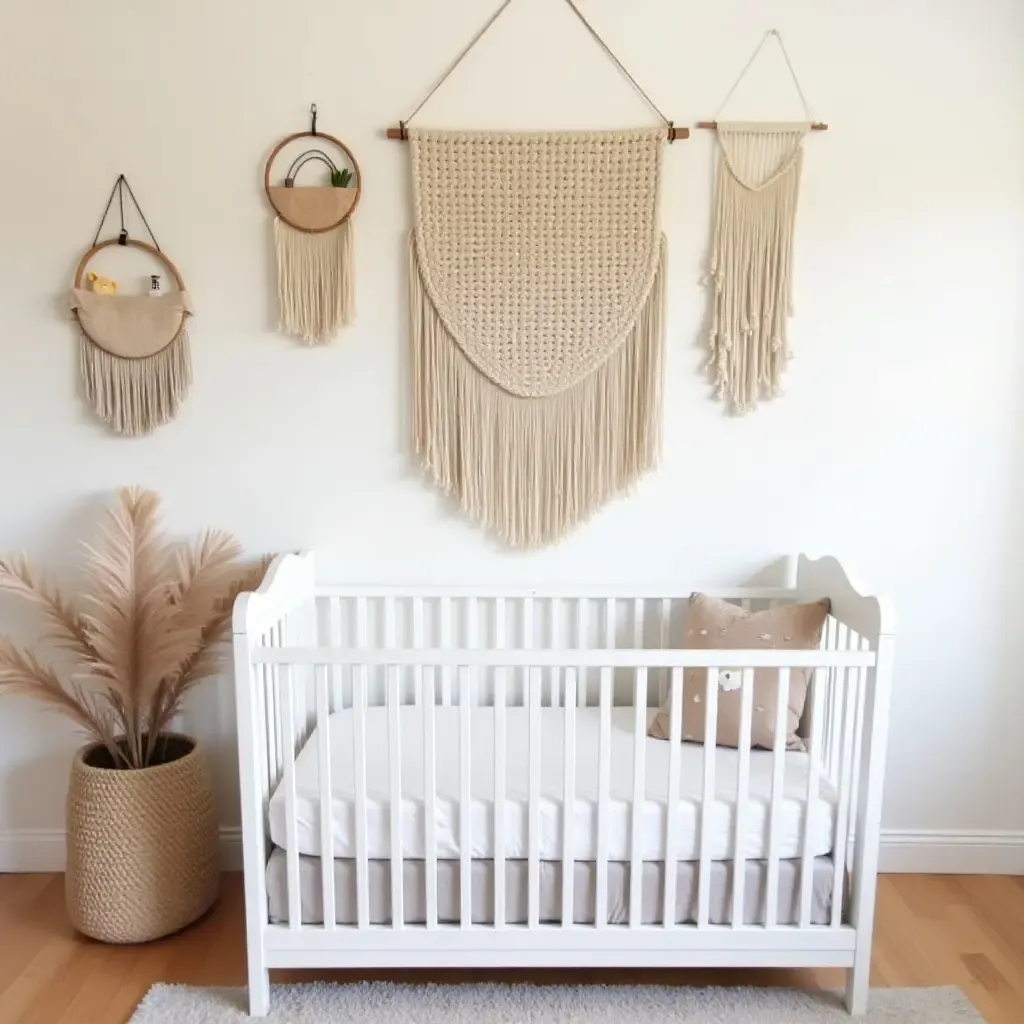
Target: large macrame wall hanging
750	270
313	238
537	276
134	354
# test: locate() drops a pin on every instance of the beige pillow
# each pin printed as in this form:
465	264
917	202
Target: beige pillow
712	624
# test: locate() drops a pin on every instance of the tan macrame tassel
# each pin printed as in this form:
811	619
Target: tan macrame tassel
751	266
315	281
530	468
135	396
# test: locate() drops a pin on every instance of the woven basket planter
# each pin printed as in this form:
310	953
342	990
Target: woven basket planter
142	858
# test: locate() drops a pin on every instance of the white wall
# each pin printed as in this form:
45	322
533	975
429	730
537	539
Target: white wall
899	445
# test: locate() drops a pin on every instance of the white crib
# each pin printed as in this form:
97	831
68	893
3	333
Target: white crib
458	753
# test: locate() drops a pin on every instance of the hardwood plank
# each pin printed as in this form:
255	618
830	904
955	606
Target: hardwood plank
931	930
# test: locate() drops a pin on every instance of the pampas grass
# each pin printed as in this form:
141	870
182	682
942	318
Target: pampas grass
150	623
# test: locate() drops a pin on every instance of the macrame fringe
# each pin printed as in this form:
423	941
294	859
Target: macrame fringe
751	267
315	281
135	396
531	468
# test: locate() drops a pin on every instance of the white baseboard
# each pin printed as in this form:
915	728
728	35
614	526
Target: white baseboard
951	852
903	851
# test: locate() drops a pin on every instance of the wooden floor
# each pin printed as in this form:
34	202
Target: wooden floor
932	930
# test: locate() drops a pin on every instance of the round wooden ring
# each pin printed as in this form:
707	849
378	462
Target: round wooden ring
351	159
145	247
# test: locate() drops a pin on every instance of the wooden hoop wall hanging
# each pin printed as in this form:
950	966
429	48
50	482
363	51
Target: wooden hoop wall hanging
134	353
314	241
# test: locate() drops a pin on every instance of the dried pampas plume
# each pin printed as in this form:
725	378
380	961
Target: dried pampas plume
150	624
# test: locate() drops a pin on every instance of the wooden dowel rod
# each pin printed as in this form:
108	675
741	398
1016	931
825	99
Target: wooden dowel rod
818	126
399	134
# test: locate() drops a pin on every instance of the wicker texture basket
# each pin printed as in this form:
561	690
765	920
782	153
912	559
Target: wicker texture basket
142	858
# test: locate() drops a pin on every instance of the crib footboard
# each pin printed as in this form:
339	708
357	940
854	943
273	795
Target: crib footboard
474	768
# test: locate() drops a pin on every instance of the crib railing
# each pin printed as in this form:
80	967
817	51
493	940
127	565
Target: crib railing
303	654
296	694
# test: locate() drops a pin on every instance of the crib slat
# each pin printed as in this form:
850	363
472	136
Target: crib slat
527	643
663	641
335	634
430	795
739	863
359	771
262	745
324	764
291	815
269	724
582	634
558	643
829	746
277	639
811	805
417	642
636	862
609	623
774	813
500	697
394	698
859	681
390	644
568	798
603	770
847	697
293	637
638	623
446	643
465	800
668	913
708	797
533	868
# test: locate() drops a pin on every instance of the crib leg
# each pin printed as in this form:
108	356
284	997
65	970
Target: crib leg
858	982
259	990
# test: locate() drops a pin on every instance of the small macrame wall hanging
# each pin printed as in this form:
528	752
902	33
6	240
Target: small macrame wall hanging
537	277
313	237
134	354
750	270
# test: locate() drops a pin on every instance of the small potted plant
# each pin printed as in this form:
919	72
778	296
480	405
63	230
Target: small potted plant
148	625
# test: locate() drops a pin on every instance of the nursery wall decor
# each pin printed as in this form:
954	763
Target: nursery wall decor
750	270
134	354
536	297
314	240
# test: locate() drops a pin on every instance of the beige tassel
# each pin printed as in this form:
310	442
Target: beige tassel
315	281
135	396
531	468
751	268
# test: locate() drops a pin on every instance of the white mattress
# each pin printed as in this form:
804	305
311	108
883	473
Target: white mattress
584	831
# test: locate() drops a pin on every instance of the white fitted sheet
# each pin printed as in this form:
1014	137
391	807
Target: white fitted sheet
584	831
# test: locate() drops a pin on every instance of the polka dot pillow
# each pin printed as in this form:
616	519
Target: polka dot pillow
712	624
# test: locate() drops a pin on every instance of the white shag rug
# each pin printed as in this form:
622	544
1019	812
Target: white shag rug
385	1003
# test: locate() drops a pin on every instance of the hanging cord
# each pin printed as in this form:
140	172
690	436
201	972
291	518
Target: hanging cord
618	63
458	60
119	186
490	21
746	67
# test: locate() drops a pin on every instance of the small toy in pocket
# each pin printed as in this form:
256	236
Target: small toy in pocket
102	285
